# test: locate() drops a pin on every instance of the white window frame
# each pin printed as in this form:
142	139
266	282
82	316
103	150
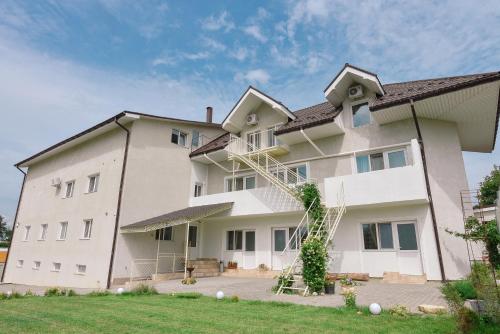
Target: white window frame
269	134
243	241
20	263
379	249
244	176
357	103
59	232
179	133
196	186
385	158
288	237
97	177
78	271
253	135
395	231
72	183
55	267
44	228
85	221
27	232
171	234
193	137
36	265
297	165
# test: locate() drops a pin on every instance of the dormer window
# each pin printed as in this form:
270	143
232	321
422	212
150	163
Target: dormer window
360	115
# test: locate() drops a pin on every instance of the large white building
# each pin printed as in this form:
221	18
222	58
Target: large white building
128	197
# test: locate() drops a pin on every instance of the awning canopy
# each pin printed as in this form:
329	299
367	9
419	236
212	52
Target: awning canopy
178	217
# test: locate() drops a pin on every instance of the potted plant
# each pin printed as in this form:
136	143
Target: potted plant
329	285
347	285
232	265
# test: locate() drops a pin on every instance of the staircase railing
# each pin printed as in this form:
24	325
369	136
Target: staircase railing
304	222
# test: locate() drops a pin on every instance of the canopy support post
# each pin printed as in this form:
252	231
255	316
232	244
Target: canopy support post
157	255
187	248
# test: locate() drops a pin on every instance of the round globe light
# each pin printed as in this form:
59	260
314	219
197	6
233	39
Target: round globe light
120	291
9	293
219	295
375	309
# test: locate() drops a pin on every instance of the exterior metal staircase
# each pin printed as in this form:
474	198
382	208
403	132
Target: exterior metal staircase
274	171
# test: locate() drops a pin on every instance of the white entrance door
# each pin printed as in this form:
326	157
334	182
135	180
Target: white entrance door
193	242
280	239
409	259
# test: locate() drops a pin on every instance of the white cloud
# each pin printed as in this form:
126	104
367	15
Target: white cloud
221	22
254	31
164	59
213	44
240	53
197	55
257	76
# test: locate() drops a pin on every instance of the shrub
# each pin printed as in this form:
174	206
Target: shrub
143	289
465	289
484	283
286	280
350	299
10	295
313	255
466	319
57	292
235	299
399	310
189	280
188	295
99	293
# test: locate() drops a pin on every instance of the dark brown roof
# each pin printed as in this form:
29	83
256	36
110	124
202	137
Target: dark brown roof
400	93
311	116
215	145
182	216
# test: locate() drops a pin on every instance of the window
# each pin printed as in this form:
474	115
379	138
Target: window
70	186
36	265
20	263
164	234
360	115
279	240
396	159
299	172
407	236
192	237
234	240
63	230
378	236
250	241
271	138
253	140
195	139
380	160
198	187
179	137
296	239
27	230
240	183
87	229
81	269
56	266
93	183
43	231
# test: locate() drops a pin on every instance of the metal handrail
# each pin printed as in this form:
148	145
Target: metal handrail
306	216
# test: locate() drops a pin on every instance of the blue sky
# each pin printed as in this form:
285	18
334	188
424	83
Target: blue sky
66	65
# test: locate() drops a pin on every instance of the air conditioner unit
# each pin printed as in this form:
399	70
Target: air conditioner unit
252	119
56	182
355	92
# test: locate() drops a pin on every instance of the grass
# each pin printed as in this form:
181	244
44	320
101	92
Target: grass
191	313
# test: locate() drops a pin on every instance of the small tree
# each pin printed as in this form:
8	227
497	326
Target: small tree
488	190
5	232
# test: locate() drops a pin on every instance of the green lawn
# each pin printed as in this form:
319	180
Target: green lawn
170	314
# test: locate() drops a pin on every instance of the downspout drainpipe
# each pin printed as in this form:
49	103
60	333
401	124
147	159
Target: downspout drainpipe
312	143
429	193
119	204
14	226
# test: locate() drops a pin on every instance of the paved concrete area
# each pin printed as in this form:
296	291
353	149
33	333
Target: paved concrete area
374	291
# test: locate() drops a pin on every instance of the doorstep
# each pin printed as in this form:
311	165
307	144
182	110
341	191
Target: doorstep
393	277
250	273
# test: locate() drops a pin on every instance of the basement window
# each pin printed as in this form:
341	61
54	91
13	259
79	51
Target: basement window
36	265
56	266
81	269
179	137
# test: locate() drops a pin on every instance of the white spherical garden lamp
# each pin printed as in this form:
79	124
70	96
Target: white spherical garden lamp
375	309
120	291
219	295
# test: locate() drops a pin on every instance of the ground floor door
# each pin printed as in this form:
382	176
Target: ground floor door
281	255
408	250
193	241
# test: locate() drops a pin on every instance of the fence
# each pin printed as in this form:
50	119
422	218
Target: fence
148	269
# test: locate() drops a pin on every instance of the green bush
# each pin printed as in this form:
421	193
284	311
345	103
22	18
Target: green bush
465	289
58	292
143	289
235	299
350	299
313	255
188	295
311	199
99	293
483	281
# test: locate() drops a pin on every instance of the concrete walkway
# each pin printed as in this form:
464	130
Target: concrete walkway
374	291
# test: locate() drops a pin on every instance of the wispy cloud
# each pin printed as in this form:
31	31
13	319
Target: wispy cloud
213	44
257	76
240	53
255	32
222	21
197	55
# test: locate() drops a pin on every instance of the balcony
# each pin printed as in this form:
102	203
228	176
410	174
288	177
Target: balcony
387	187
262	141
258	201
